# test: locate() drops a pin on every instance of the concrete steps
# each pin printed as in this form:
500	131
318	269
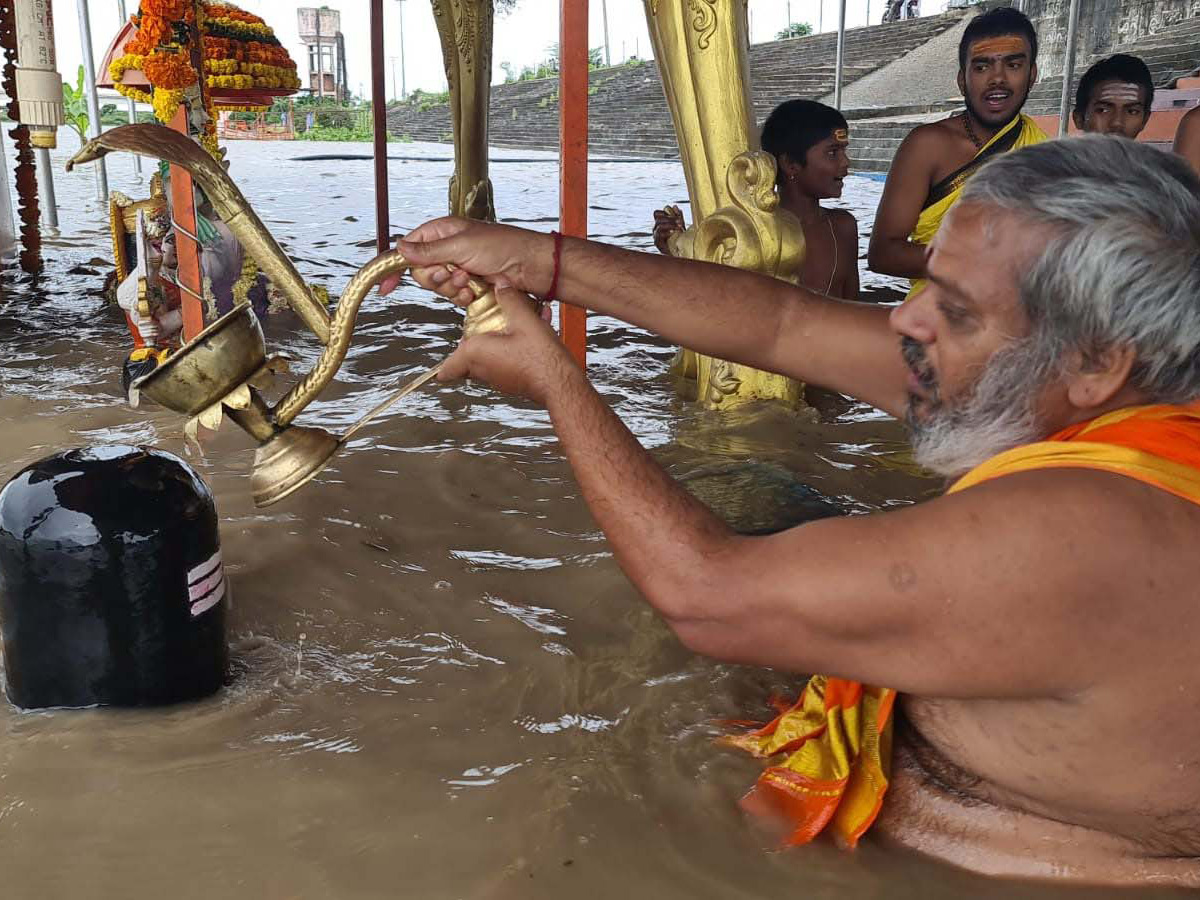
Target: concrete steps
873	143
1171	54
629	115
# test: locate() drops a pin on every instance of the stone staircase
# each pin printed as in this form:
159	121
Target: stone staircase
628	114
873	142
1171	54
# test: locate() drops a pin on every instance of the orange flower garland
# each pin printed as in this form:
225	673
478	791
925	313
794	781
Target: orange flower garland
208	133
158	52
170	70
240	52
156	21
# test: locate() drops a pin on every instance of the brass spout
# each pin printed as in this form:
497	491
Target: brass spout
340	328
484	314
162	143
293	455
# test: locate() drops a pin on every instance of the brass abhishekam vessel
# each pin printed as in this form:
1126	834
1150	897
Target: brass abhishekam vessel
220	368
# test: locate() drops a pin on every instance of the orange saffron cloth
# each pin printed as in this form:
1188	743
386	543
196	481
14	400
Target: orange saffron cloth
838	735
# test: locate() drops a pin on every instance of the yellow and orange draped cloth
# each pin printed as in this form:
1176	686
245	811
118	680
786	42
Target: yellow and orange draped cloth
1020	132
838	735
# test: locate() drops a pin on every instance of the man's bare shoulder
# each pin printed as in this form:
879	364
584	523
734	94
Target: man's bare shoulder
1189	125
932	135
1059	562
1105	503
845	224
1090	531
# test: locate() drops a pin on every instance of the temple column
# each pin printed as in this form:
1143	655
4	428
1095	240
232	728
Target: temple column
701	50
465	27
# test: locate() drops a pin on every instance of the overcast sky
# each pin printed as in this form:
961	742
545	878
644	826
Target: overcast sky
521	37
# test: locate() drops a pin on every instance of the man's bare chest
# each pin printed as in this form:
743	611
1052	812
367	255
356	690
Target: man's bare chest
953	150
1067	761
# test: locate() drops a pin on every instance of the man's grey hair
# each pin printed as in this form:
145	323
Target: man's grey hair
1121	261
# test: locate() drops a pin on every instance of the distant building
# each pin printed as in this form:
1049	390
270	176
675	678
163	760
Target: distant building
325	49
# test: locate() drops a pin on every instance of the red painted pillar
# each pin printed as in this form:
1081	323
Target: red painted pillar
573	150
379	114
187	251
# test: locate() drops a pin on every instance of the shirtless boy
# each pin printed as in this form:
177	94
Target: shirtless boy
809	141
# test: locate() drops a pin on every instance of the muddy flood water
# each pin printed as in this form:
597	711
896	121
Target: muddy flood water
443	686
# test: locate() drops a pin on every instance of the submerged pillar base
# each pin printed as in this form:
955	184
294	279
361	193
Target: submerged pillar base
700	47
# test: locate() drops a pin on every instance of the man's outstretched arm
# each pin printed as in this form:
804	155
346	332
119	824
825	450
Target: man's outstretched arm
716	310
933	599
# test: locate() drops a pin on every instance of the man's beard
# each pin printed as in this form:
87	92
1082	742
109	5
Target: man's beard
998	413
975	114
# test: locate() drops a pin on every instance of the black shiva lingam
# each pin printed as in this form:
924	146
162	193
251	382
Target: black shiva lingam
112	591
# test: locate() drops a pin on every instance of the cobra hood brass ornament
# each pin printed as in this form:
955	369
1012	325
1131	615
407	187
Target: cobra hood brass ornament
218	372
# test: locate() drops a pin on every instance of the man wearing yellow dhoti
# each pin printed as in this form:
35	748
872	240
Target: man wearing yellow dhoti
997	66
1013	665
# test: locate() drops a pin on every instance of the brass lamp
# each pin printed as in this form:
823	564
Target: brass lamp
219	368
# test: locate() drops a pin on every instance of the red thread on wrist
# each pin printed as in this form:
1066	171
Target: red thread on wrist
552	294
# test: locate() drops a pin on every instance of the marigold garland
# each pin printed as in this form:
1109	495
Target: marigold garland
117	69
221	66
246	280
254	29
233	82
208	137
166	104
157	22
160	51
240	52
170	70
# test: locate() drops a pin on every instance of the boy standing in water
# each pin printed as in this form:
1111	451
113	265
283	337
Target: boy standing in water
809	142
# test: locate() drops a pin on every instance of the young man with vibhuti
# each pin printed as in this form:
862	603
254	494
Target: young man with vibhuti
997	59
1114	97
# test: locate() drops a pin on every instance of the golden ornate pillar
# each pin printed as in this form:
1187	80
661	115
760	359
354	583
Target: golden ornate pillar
701	49
465	27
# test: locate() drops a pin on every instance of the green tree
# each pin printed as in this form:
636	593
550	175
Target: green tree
795	30
110	114
75	108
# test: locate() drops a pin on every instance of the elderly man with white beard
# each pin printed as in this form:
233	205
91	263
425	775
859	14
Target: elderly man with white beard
1014	685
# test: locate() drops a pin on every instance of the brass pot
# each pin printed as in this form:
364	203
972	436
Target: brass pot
221	357
213	374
